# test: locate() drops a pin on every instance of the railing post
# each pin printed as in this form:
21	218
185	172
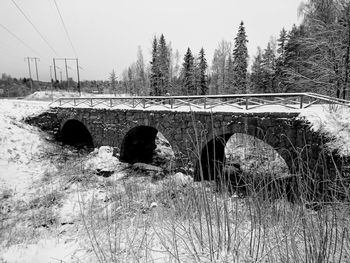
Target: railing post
301	101
60	102
74	102
110	102
246	103
171	103
205	102
133	102
143	103
91	105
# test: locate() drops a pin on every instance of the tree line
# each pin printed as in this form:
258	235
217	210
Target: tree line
167	75
311	57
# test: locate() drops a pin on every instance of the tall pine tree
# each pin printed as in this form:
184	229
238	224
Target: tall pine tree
203	78
256	77
188	74
280	61
155	70
269	68
240	60
164	65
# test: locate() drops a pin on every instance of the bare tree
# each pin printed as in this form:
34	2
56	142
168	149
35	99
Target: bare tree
219	63
113	80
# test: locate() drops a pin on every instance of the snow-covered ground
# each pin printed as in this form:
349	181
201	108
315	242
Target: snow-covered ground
20	145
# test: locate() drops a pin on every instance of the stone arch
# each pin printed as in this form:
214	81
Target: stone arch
75	133
139	144
212	155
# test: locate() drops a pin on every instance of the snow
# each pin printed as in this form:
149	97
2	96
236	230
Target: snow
55	94
45	251
333	122
21	164
102	159
20	145
186	108
181	179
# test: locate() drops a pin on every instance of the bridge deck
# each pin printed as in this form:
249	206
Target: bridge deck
273	102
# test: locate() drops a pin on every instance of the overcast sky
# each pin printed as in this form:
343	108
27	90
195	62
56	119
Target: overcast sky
105	34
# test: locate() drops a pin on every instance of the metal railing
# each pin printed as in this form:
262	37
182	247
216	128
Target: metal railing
237	101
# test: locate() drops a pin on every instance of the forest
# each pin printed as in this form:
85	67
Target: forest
313	56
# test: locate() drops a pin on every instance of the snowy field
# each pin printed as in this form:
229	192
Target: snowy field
34	169
21	145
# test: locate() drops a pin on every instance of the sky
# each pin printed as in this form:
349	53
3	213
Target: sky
105	34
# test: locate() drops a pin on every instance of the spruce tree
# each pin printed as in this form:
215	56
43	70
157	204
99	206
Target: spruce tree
256	77
164	65
295	64
269	68
280	61
155	71
203	78
281	42
240	60
188	74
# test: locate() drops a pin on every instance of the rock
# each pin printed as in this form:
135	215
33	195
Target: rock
147	167
103	173
153	205
182	179
102	160
163	155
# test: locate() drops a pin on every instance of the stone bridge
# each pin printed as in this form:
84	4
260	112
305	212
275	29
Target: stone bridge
197	137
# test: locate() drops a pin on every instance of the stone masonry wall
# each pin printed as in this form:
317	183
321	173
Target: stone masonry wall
189	132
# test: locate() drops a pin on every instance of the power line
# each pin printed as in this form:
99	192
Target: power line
20	40
35	28
65	29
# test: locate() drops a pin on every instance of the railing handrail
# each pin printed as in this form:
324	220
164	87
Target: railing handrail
247	99
196	96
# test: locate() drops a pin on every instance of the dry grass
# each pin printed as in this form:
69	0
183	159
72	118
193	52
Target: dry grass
141	219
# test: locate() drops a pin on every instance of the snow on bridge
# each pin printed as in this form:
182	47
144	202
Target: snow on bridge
272	102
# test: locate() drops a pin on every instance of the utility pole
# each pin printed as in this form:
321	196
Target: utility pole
66	68
78	76
65	63
51	74
36	68
30	74
54	68
51	82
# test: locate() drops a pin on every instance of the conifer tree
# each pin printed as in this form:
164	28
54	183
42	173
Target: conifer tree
257	73
281	42
188	74
295	62
203	78
240	60
280	61
164	65
155	71
268	64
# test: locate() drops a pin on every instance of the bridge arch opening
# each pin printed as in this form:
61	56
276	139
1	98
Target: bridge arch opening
76	134
239	159
254	155
145	144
